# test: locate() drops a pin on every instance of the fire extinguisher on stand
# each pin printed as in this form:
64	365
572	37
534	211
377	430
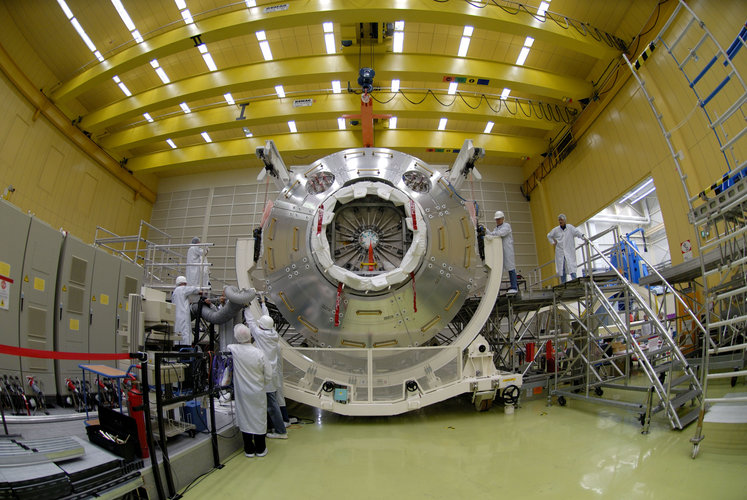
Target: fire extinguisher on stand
135	409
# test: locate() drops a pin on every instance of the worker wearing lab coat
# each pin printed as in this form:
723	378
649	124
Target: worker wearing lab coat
563	238
182	317
197	269
251	374
266	338
503	229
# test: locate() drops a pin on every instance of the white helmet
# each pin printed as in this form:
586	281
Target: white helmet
499	215
181	280
266	322
242	334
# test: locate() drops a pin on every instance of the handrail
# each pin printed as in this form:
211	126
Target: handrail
676	295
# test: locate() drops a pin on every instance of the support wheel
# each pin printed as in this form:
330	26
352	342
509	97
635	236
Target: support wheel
561	400
598	391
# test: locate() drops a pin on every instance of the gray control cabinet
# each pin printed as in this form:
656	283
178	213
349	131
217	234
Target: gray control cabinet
38	301
130	280
14	228
73	311
102	333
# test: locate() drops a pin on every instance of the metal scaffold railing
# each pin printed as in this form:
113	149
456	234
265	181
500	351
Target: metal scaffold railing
718	210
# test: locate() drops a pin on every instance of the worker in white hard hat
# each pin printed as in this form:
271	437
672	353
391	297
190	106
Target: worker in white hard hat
182	316
563	238
198	270
266	339
503	229
251	374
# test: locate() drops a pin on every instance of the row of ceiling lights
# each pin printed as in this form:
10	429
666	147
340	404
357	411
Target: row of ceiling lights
264	45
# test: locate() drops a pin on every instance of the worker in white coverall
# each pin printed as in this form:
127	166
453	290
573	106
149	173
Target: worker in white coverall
198	273
563	238
251	373
266	338
182	316
503	229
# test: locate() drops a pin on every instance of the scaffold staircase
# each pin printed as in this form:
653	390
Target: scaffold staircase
718	211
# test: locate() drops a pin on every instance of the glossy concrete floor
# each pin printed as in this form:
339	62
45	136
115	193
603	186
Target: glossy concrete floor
450	451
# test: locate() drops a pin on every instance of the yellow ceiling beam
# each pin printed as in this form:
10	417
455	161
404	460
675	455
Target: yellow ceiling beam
323	69
328	107
244	21
322	143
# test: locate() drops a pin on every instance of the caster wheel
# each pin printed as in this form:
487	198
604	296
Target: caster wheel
598	391
561	401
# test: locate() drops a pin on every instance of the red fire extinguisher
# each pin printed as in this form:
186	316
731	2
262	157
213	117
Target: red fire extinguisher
135	408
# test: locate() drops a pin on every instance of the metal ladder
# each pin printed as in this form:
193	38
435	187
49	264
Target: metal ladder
605	290
718	211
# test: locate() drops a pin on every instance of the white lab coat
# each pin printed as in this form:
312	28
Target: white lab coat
505	232
251	374
197	275
182	316
267	341
565	249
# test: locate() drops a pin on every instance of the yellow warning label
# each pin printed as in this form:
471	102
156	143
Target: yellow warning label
93	298
74	324
5	269
127	306
64	288
120	305
26	278
39	284
3	305
104	299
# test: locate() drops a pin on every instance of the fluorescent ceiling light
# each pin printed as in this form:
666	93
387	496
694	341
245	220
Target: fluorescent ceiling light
171	143
643	195
202	48
522	56
543	8
399	26
116	79
162	75
185	108
398	42
148	117
442	124
137	36
247	132
98	55
280	91
395	85
65	9
528	41
453	88
468	30
180	4
393	122
328	27
123	14
187	16
637	190
83	34
264	45
154	63
209	61
488	128
206	137
251	3
505	93
336	87
229	98
292	126
260	35
463	46
124	89
329	41
341	123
